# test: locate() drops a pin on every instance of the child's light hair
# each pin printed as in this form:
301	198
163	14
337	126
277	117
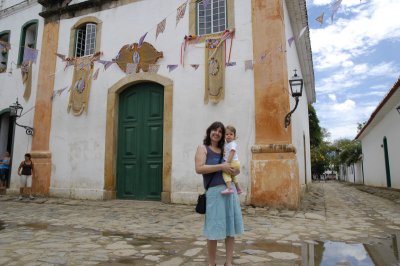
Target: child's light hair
232	129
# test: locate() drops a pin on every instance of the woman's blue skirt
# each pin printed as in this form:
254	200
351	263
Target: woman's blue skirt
223	214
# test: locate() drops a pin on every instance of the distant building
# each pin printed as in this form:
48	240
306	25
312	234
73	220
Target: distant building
380	142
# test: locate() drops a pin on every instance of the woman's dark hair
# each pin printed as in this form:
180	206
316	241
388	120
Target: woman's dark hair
213	126
28	155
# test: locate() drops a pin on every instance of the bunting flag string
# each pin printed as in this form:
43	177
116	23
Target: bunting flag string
290	41
58	92
96	74
195	66
248	65
171	67
335	7
302	32
30	54
140	41
230	64
61	56
180	12
161	27
320	18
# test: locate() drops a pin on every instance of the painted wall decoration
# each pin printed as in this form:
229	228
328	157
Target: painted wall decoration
26	72
142	56
214	70
80	88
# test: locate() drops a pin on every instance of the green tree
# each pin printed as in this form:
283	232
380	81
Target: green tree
316	134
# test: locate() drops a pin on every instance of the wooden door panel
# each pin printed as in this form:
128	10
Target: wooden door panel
140	142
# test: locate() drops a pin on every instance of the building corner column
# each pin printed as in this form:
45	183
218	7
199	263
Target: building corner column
274	169
41	154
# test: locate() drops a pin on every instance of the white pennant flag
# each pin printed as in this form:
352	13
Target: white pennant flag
302	32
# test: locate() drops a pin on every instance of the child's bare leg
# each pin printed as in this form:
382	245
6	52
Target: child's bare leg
229	184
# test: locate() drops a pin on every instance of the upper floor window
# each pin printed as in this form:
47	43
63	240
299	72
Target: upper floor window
85	37
212	18
4	47
85	40
28	38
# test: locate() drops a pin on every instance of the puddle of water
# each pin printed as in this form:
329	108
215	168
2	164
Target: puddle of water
320	253
330	253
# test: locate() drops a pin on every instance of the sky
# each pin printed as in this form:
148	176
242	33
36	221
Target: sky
356	59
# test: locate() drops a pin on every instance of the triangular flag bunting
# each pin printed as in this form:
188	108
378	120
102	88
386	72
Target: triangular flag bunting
290	41
195	66
172	67
96	74
161	27
302	32
248	64
61	56
320	18
180	12
140	41
335	8
30	54
230	64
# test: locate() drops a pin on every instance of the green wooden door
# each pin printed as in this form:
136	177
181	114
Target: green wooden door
140	142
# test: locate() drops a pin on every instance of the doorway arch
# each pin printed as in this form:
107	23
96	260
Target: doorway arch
110	164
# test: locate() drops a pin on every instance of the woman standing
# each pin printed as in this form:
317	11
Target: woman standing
223	219
25	171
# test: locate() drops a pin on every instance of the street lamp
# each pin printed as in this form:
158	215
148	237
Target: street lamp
296	88
16	111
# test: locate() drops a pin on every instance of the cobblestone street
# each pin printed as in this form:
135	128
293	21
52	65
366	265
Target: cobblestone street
52	231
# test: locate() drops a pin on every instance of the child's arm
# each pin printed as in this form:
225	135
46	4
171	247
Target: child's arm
230	157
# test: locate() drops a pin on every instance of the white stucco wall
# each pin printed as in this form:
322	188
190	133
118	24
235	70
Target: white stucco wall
373	152
299	121
11	86
77	143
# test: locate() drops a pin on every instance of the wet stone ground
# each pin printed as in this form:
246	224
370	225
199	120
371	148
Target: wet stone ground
337	224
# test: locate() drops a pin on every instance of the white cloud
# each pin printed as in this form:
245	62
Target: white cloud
346	106
348	78
369	23
332	97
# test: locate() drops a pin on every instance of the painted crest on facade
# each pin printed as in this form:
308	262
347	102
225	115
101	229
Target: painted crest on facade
142	56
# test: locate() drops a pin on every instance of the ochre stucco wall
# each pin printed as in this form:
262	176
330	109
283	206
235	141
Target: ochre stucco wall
274	169
41	155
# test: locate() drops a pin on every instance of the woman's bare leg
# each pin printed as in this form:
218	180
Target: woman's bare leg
229	243
212	251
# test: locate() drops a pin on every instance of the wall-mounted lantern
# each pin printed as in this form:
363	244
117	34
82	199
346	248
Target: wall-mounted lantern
15	112
296	88
398	109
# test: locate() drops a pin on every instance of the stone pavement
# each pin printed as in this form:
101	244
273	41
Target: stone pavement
53	231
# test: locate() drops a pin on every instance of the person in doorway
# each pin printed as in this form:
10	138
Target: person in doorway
4	169
223	218
230	156
25	171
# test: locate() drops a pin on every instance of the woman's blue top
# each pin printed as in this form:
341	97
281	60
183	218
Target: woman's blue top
216	177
